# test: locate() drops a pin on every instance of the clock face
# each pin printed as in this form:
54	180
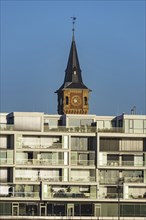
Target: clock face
76	100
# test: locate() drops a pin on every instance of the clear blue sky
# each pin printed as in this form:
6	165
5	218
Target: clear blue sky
35	43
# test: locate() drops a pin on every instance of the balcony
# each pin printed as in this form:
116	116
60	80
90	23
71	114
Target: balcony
38	179
82	129
110	195
121	130
6	161
133	179
53	146
82	162
73	195
137	196
6	157
108	181
114	163
6	127
12	191
69	192
133	163
84	179
40	162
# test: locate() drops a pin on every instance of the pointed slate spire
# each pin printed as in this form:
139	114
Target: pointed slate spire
73	71
73	76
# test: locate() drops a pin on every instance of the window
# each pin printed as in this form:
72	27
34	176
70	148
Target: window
130	124
144	124
85	101
67	100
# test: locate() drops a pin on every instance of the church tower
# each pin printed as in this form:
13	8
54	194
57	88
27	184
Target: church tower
73	95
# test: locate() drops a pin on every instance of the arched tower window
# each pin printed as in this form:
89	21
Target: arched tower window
85	101
66	100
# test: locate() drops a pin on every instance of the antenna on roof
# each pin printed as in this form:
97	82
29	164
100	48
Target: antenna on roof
133	110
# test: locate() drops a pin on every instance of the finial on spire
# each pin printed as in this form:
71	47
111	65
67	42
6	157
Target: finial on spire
73	23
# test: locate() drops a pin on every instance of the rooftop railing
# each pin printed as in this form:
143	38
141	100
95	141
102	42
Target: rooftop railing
111	130
71	129
82	129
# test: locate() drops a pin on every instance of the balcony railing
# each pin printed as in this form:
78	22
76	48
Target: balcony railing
6	161
84	179
111	130
132	163
9	190
110	195
82	162
109	181
66	195
122	163
120	195
6	127
40	162
21	194
133	179
136	196
53	146
82	129
40	178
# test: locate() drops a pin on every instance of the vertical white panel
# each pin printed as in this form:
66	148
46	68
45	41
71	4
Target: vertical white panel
65	158
65	142
100	158
125	192
138	161
3	142
104	159
65	174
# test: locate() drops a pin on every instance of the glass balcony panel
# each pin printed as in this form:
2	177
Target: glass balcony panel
6	157
17	191
110	195
6	161
49	179
81	129
132	163
112	163
108	181
84	179
53	146
133	179
82	162
40	162
27	194
136	196
6	127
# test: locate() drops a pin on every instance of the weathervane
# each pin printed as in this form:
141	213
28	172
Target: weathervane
73	24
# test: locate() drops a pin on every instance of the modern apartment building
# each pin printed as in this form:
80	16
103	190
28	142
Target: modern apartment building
72	165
